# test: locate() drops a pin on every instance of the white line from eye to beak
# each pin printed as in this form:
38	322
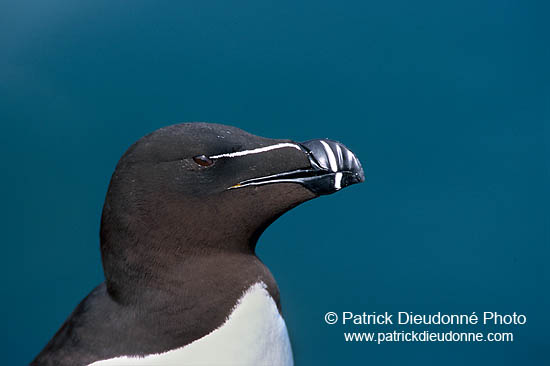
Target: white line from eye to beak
331	157
256	151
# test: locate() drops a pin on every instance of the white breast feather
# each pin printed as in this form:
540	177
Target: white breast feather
253	334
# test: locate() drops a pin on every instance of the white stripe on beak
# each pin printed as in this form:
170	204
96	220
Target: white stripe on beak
338	181
331	157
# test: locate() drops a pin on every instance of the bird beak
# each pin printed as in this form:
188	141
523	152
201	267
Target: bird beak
332	167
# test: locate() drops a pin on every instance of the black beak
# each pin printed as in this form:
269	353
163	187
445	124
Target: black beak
333	167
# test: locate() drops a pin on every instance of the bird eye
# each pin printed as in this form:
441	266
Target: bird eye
203	160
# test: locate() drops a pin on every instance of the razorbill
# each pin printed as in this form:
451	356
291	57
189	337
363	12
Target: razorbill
182	215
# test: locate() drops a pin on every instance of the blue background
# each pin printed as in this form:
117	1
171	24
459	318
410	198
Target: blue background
447	104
